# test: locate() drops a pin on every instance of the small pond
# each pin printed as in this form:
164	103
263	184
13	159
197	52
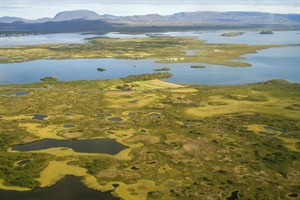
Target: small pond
39	117
69	126
23	162
68	188
115	119
293	195
101	145
234	195
105	115
16	94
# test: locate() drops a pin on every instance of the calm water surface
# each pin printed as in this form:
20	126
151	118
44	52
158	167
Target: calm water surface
44	39
68	188
103	145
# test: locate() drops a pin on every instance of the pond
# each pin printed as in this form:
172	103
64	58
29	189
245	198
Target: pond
16	94
39	117
68	188
234	196
115	119
23	162
101	145
69	125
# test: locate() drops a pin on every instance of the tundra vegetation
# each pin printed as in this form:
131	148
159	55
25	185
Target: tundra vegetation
184	141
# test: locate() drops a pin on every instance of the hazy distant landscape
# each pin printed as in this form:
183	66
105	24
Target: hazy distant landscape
90	21
191	105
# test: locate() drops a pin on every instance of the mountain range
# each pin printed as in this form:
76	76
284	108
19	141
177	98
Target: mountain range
186	18
69	21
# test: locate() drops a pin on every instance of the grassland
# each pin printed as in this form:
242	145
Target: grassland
204	142
165	49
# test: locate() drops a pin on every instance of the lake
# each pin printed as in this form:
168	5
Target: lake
275	63
70	38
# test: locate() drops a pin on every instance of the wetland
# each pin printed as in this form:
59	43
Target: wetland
128	134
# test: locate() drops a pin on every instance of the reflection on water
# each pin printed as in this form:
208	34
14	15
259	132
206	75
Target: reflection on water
68	188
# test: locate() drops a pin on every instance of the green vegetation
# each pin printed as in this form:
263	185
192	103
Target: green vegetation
165	49
197	66
232	34
206	142
162	69
145	77
49	79
266	32
100	69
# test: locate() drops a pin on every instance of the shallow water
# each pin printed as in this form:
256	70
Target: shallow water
16	94
115	119
23	162
70	38
39	117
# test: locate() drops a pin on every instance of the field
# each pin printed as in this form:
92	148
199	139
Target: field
165	49
184	141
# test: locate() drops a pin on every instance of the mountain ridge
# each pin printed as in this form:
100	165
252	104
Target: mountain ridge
186	18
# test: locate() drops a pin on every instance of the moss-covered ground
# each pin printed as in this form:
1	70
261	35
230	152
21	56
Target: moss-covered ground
185	141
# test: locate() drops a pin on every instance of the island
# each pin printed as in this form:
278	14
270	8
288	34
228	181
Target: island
100	69
266	32
232	34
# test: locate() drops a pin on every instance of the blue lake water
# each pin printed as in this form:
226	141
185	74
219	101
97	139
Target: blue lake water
73	38
275	63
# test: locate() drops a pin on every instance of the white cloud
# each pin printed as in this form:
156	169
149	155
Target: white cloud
48	8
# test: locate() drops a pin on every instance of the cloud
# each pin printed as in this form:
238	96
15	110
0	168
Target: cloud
48	8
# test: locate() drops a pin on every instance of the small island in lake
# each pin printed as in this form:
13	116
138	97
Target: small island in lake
266	32
232	34
49	79
162	69
100	69
197	66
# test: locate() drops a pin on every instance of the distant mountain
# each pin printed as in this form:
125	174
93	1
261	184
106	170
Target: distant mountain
55	27
198	18
76	14
181	18
85	20
11	19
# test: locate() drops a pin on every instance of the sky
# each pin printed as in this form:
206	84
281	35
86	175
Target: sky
34	9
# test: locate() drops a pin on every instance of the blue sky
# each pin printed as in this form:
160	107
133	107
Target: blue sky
33	9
